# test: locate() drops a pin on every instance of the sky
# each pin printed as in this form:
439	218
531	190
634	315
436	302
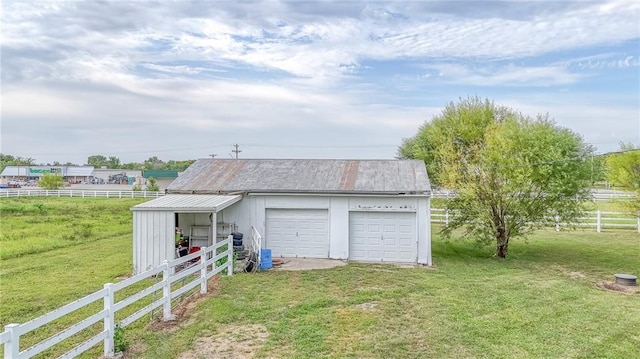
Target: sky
296	79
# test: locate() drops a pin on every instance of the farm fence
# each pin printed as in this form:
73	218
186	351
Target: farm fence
596	196
82	193
597	219
174	279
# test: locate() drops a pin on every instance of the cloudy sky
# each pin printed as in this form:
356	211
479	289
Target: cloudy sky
183	80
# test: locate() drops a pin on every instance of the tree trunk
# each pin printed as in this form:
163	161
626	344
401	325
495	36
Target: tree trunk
502	250
503	243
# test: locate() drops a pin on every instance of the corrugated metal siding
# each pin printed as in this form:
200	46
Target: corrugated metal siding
153	233
319	176
186	202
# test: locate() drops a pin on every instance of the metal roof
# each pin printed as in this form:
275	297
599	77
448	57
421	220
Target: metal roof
188	203
303	176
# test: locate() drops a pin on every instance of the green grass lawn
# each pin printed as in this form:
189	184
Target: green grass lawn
542	302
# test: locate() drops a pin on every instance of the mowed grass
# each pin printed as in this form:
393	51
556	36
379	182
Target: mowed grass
56	250
542	302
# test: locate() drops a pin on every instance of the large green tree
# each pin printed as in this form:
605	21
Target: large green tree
510	172
623	170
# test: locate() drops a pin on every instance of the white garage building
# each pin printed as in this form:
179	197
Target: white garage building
362	210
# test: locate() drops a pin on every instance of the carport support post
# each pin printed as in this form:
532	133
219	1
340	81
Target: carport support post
203	270
166	291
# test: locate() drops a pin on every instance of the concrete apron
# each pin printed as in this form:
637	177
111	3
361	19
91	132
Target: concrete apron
293	264
309	263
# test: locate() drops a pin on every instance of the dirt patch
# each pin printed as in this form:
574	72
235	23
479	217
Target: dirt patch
124	276
181	317
367	306
614	287
371	288
232	342
576	275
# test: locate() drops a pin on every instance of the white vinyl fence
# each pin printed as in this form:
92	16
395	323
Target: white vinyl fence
598	220
596	196
83	193
173	279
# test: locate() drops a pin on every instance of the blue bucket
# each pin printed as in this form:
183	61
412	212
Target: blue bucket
265	259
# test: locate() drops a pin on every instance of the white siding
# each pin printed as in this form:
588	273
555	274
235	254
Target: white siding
153	238
339	209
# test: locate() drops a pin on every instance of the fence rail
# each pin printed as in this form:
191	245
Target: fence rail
205	264
596	196
82	193
598	219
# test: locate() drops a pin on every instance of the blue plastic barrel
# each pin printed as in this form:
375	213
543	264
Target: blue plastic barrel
265	259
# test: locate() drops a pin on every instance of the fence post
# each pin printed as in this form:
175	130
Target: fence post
230	258
557	218
203	270
446	217
109	320
598	221
12	347
166	292
638	221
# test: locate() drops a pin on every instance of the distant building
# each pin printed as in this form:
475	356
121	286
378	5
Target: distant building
29	174
110	175
163	178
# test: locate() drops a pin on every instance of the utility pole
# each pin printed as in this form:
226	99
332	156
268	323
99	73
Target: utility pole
236	150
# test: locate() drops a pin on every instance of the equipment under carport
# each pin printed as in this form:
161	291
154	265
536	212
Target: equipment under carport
238	247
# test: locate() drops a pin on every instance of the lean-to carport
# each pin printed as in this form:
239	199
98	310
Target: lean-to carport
155	222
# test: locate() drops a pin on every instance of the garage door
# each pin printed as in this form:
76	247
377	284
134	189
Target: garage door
383	236
298	232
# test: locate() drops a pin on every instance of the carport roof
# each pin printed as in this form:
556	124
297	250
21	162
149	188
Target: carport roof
188	203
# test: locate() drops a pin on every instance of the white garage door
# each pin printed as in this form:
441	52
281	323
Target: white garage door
298	232
383	236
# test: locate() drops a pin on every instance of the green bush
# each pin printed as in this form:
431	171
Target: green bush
51	181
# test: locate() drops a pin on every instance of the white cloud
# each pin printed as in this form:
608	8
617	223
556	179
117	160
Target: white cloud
193	74
509	75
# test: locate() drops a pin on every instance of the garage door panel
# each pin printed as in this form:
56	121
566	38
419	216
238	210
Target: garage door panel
297	232
389	236
390	228
373	228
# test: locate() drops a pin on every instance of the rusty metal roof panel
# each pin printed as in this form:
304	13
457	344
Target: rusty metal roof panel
303	176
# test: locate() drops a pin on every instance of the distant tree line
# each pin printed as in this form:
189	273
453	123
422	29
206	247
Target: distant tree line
112	162
152	163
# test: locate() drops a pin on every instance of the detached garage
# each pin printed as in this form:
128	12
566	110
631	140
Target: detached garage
361	210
